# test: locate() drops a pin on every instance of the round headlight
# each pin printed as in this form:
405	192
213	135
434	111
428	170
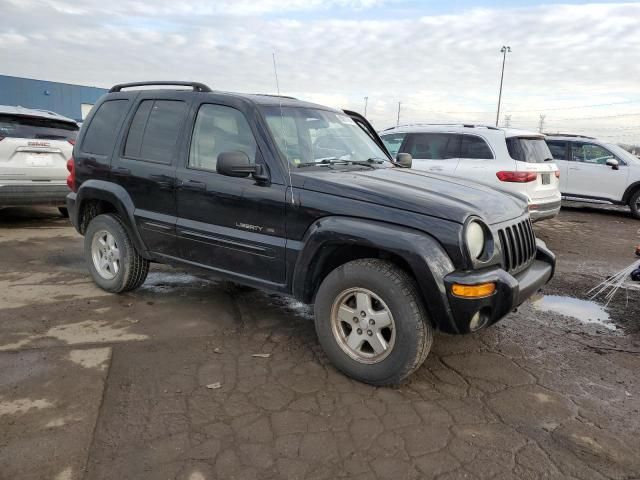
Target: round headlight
474	236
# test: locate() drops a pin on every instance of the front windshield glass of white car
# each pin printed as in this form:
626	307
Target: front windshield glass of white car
310	136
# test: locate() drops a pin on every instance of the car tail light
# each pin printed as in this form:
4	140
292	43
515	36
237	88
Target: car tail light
71	141
517	177
557	173
71	179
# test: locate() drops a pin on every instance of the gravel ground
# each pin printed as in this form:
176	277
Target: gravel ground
100	386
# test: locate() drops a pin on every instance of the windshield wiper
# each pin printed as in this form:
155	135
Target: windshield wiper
336	161
380	160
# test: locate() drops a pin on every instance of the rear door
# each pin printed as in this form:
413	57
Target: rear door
590	176
35	148
560	151
476	159
434	152
146	163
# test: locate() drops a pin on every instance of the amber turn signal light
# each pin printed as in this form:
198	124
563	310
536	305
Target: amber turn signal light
473	291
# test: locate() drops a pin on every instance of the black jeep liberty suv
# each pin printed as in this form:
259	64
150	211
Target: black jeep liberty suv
301	199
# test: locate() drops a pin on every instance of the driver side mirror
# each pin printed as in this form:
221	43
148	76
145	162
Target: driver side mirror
237	164
613	163
404	159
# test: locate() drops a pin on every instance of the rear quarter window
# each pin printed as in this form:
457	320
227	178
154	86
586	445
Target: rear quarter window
103	129
475	147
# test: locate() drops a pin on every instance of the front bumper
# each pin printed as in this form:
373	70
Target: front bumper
33	193
511	291
543	211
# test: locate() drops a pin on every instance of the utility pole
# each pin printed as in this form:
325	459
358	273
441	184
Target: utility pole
505	49
366	101
398	121
507	121
541	124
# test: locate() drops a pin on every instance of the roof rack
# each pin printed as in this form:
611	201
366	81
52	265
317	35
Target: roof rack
274	95
572	135
426	124
197	87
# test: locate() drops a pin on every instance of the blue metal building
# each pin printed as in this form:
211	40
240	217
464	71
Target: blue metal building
73	101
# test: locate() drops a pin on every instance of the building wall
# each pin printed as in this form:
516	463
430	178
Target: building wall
62	98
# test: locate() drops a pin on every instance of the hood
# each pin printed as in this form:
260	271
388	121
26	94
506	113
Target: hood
425	193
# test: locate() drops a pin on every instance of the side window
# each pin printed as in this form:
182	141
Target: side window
590	153
219	129
102	131
558	149
393	142
433	146
153	134
475	147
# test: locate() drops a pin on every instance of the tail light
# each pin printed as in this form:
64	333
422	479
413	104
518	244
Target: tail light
557	173
72	141
517	177
71	179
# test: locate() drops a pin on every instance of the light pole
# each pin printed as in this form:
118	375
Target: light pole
398	121
505	49
366	101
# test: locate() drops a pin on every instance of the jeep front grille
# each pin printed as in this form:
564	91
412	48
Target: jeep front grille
518	244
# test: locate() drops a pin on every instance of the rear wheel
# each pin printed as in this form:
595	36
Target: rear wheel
113	261
634	203
371	321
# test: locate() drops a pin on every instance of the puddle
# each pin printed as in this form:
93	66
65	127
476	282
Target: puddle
584	311
162	282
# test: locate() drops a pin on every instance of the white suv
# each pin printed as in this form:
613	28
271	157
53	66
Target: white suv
512	160
596	171
35	146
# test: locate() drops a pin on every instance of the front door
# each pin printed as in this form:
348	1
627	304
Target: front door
589	175
434	152
232	225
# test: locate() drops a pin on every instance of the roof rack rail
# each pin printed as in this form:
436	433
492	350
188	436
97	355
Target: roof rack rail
274	95
197	87
572	135
457	124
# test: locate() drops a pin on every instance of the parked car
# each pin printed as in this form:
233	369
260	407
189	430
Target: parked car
596	171
34	148
301	199
506	159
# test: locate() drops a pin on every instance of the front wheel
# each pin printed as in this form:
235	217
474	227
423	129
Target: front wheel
113	261
634	203
371	321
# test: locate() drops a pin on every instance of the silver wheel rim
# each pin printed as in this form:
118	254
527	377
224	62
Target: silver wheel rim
105	254
363	325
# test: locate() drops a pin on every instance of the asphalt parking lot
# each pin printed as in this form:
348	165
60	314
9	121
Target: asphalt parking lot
100	386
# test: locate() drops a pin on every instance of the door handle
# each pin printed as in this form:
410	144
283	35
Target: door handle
163	181
192	185
121	171
574	168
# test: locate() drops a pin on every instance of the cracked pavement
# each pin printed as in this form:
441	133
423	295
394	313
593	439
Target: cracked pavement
100	386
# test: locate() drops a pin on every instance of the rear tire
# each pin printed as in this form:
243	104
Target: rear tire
364	305
634	203
64	212
113	261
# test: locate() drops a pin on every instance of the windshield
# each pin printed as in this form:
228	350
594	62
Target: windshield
621	152
530	150
307	136
19	126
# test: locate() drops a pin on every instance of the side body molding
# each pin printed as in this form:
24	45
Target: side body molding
427	259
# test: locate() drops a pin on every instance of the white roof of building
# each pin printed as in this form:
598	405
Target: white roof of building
31	112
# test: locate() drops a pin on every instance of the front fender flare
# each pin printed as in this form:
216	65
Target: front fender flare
425	256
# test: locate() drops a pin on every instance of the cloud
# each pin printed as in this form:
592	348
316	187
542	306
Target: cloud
441	67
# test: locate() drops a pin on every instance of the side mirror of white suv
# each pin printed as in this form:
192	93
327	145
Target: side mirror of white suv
613	163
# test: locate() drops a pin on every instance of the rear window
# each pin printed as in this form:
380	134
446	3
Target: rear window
103	128
18	126
154	130
530	150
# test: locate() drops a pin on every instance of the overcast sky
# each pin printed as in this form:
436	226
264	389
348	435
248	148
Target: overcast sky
577	64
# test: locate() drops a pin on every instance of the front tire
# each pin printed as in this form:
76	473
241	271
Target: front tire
371	321
634	203
113	261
